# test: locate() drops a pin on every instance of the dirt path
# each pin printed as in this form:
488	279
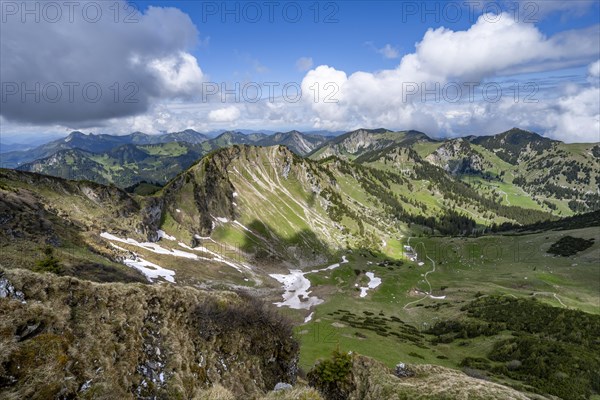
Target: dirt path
553	295
505	194
426	280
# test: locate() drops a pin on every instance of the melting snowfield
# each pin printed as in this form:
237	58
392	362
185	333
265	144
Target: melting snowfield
152	271
156	248
163	235
296	286
297	294
153	247
373	283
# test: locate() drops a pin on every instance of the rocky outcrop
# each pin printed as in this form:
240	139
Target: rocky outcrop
70	339
7	290
371	380
458	157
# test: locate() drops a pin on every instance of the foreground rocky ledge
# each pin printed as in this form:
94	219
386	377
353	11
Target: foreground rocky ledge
64	337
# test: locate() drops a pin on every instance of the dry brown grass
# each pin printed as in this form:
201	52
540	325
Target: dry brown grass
374	381
98	337
296	393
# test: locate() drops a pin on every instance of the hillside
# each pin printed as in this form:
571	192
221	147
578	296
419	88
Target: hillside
370	380
123	166
221	211
362	141
130	159
63	337
513	168
97	144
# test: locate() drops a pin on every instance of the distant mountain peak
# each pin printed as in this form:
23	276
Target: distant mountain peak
372	131
414	132
76	134
518	131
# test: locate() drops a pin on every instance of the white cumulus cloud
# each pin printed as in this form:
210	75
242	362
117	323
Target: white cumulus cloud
594	69
226	114
124	66
494	46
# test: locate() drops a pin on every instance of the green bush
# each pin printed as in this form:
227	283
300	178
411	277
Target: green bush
333	377
568	246
49	263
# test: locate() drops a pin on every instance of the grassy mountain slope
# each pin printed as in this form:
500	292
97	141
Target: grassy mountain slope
447	276
512	168
373	381
123	166
127	160
97	144
356	143
265	206
166	342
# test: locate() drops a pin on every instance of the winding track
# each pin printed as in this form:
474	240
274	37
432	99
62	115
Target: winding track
426	280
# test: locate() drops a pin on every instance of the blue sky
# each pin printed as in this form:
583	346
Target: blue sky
376	59
349	38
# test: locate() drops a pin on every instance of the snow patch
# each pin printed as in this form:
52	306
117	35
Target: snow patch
185	246
373	283
242	226
153	247
296	286
163	235
309	318
297	294
203	238
150	270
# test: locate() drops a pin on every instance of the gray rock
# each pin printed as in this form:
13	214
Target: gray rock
4	287
8	290
282	386
402	371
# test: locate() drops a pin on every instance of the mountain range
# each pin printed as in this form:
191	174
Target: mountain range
388	244
511	167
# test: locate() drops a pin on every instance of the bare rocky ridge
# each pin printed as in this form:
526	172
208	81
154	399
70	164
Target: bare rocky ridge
458	157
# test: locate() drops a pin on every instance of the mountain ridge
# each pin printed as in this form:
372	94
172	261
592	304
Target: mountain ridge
506	165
